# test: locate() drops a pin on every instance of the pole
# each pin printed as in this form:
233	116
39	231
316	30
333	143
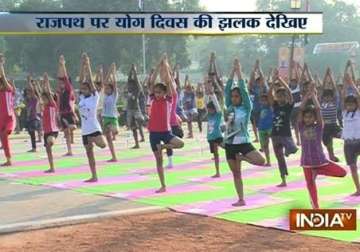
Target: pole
144	54
142	8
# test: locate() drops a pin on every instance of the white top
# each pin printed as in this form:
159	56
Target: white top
109	108
351	122
87	108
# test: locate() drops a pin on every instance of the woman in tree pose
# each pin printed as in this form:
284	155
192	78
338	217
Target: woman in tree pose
90	126
50	115
281	136
294	86
351	123
200	105
189	105
215	122
7	115
238	145
110	113
135	118
257	87
329	114
215	79
175	121
66	105
313	159
159	119
32	112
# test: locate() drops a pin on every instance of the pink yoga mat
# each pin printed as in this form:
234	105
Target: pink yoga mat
216	207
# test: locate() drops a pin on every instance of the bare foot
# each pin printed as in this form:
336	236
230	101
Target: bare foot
69	154
161	190
135	147
217	175
282	184
356	194
239	203
49	171
92	180
8	163
113	160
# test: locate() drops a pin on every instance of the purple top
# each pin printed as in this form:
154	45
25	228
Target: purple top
312	153
31	109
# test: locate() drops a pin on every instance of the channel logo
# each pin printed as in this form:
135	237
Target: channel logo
322	219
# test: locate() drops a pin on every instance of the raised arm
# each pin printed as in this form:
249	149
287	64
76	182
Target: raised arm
82	68
47	88
6	83
228	87
317	106
62	72
113	79
167	77
304	101
212	97
153	76
88	72
288	91
99	77
245	97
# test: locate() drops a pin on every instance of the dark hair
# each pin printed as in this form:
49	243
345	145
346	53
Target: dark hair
111	86
328	93
310	109
161	86
351	99
264	95
46	95
87	84
210	105
236	89
281	90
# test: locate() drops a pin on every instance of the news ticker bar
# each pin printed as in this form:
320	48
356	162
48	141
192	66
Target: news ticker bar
182	23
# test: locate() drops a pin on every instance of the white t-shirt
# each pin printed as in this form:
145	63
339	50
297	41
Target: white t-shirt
109	108
87	108
351	122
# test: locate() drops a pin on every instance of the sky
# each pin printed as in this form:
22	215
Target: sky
241	5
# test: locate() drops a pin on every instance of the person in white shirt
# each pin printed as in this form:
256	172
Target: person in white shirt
90	126
110	113
351	132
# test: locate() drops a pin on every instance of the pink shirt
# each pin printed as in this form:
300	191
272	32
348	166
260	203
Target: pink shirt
173	116
49	118
6	103
160	110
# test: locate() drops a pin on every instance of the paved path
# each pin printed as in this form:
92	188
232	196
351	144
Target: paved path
27	207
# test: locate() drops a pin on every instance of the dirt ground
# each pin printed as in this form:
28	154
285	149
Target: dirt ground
165	231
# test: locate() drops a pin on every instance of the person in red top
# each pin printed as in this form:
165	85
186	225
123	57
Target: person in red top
7	115
50	126
159	118
65	104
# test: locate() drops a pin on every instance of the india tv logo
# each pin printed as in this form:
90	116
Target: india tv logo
322	219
